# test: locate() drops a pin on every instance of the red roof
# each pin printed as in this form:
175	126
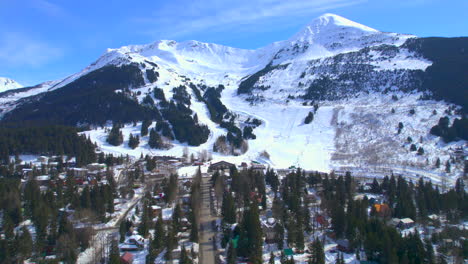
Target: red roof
127	257
321	220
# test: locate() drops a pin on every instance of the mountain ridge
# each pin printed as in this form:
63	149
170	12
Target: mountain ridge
244	103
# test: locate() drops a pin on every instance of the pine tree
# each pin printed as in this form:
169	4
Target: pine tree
318	253
309	118
155	140
133	141
25	243
159	235
184	259
272	258
122	231
144	127
231	254
115	136
114	255
448	166
228	209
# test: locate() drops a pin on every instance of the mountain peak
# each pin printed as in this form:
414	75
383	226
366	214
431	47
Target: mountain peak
329	26
329	19
8	84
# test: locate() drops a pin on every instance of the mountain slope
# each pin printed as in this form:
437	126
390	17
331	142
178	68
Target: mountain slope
357	83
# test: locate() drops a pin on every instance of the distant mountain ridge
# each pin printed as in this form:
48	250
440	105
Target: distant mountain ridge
369	98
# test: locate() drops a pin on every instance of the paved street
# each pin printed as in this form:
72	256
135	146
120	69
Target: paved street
207	250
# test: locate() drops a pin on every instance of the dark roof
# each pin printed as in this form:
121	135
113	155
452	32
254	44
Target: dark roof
221	163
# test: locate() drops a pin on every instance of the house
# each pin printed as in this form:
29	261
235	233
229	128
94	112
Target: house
243	166
156	210
27	173
222	165
126	258
405	223
43	180
43	159
134	242
343	245
96	166
78	173
269	230
321	221
382	210
258	167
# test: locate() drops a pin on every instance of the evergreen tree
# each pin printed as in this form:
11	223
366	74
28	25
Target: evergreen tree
272	258
448	167
155	140
231	254
318	253
159	235
144	127
228	209
184	259
114	255
309	118
133	141
122	230
25	243
251	234
115	136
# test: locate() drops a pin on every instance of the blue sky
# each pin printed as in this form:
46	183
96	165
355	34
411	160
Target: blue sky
49	39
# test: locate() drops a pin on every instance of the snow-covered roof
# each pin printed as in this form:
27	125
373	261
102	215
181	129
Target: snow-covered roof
43	178
406	220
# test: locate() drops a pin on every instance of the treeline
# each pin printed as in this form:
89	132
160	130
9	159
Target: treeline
47	140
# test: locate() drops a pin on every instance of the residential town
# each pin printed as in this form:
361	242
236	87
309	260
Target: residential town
221	212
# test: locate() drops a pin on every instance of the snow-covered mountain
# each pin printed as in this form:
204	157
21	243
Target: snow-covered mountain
358	84
8	84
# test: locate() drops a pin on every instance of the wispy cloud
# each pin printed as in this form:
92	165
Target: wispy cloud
21	50
48	8
180	18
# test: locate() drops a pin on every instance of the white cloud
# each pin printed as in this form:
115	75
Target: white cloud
180	18
21	50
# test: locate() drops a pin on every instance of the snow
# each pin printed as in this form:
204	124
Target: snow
343	134
7	84
9	100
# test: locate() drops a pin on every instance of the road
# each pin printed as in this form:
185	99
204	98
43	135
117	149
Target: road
207	232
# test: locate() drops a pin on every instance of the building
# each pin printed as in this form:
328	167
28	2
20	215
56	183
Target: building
269	229
382	210
258	167
405	223
222	165
43	180
79	173
156	210
134	242
126	258
344	246
96	166
321	221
